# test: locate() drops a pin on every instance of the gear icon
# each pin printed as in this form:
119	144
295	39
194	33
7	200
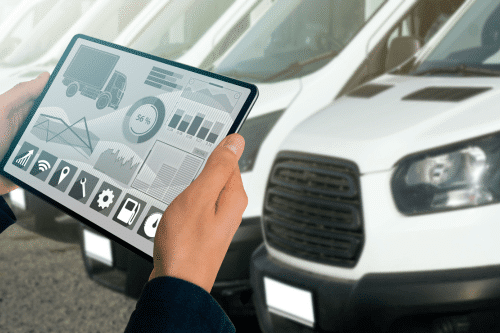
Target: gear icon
105	198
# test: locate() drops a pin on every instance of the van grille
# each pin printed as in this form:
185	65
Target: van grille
312	209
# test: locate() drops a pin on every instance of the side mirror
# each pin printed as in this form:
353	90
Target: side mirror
401	48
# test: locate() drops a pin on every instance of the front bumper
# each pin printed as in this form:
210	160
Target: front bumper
374	302
129	272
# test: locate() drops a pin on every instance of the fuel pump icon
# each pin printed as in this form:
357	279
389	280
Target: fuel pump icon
129	211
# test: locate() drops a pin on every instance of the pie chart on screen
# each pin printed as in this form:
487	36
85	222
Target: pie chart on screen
144	119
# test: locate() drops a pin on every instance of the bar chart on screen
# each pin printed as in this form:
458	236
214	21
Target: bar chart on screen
196	125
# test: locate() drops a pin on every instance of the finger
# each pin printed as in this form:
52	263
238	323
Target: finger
233	199
219	167
26	91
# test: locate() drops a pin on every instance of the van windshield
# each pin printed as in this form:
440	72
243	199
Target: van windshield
37	31
295	38
178	26
471	47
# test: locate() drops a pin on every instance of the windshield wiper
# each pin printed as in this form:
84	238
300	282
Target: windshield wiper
460	69
297	66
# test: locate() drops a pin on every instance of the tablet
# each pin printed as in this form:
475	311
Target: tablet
117	134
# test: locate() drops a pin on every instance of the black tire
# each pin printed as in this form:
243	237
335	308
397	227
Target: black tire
102	101
72	89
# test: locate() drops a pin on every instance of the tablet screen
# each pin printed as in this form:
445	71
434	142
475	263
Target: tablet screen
117	136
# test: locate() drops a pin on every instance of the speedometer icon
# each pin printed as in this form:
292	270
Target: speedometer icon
151	224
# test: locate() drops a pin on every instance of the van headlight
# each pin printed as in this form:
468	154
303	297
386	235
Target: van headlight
254	131
458	176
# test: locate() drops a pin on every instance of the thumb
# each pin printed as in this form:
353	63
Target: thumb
26	91
219	166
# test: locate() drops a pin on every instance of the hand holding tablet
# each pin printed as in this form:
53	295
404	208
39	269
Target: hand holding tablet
196	229
118	134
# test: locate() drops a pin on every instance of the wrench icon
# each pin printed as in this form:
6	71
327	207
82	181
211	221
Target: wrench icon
83	181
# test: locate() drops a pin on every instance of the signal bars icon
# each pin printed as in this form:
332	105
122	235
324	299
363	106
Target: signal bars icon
25	158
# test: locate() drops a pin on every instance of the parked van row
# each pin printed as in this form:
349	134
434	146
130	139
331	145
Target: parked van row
194	32
298	72
374	193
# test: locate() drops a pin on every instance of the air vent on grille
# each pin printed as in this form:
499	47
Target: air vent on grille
445	94
312	209
369	90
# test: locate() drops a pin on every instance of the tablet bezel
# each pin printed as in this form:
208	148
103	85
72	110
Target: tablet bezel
240	119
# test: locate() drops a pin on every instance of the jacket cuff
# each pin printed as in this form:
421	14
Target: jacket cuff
185	297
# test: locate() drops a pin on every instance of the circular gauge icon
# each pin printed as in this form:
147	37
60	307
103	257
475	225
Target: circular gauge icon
144	119
151	224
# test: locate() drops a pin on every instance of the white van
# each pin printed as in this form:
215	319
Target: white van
302	54
380	210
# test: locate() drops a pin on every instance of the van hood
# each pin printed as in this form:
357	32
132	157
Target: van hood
376	132
275	96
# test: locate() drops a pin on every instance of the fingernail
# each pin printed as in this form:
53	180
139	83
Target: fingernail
234	144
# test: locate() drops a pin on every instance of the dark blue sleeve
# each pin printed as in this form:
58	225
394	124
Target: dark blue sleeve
168	304
7	217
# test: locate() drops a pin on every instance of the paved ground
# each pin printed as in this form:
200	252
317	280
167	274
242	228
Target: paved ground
44	288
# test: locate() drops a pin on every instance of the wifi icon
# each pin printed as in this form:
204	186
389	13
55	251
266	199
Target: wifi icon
43	165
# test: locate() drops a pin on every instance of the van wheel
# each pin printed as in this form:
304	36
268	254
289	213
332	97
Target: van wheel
72	89
102	101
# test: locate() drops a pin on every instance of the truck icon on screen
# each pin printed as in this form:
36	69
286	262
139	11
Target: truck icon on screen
88	72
